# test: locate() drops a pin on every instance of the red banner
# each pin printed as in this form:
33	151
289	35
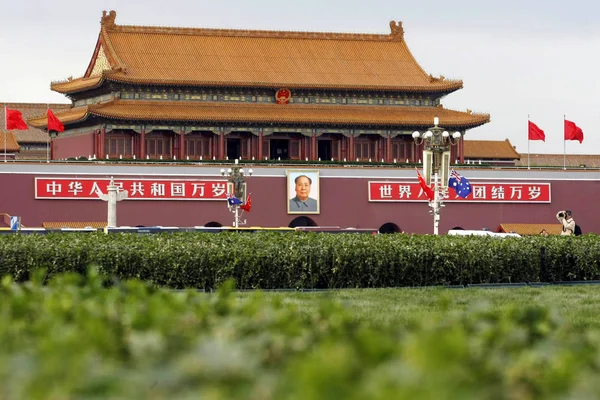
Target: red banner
482	192
138	189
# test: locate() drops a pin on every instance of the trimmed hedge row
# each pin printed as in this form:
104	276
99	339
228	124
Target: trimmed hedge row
272	260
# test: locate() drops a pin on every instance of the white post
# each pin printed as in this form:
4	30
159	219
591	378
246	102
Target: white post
235	222
112	204
112	197
436	205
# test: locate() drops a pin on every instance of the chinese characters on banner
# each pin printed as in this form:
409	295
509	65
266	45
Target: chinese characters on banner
482	192
139	189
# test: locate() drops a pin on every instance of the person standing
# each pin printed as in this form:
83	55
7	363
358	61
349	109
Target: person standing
568	223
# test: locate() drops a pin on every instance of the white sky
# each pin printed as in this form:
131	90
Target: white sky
515	57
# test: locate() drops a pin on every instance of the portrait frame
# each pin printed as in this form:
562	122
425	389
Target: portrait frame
315	192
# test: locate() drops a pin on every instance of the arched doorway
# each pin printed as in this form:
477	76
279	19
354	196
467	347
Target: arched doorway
389	227
213	224
302	221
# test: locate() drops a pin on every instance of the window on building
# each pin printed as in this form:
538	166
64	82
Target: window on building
402	150
194	146
364	149
295	149
159	146
119	145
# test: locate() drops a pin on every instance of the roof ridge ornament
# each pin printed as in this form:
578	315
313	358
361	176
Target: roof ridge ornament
108	21
397	30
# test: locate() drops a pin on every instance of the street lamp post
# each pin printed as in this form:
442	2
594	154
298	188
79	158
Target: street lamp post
436	162
236	186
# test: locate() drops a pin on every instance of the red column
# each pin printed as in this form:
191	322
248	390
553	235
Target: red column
260	144
388	145
96	149
461	150
416	154
51	148
313	147
102	147
221	155
351	147
143	143
306	143
182	145
215	146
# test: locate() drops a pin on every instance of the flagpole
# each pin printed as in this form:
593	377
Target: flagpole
564	144
5	130
48	137
528	141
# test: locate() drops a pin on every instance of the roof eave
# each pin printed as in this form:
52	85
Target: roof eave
452	86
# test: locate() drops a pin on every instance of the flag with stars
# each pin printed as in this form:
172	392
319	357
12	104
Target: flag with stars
232	200
460	184
14	223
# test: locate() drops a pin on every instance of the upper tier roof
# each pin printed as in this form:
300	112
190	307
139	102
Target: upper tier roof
244	58
209	112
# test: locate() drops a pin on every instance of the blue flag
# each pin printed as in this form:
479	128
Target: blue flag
460	184
14	223
232	200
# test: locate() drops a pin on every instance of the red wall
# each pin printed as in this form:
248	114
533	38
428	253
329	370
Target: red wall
344	203
73	146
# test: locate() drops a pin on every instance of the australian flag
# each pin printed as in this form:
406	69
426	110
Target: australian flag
232	200
460	184
14	223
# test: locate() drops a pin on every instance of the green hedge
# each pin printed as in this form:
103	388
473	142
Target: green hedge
272	260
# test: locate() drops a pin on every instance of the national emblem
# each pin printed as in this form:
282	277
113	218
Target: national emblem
283	96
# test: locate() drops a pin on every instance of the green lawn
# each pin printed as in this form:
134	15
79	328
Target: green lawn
75	338
576	305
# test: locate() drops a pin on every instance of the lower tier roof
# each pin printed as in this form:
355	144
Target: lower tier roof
239	113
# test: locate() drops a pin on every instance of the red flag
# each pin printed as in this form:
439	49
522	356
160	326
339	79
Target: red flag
14	120
428	191
535	133
248	205
573	132
54	123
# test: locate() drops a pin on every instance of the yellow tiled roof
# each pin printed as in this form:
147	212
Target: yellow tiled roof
570	160
11	142
271	113
77	225
530	229
490	149
245	58
32	110
74	114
